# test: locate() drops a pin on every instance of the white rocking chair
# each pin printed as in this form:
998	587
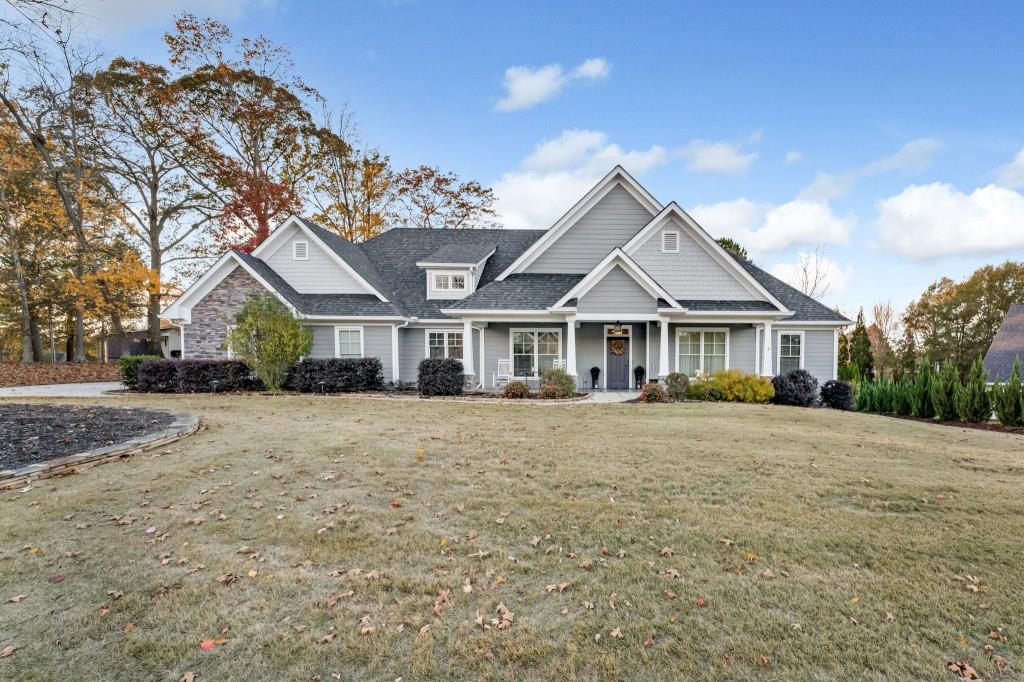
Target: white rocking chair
558	363
503	375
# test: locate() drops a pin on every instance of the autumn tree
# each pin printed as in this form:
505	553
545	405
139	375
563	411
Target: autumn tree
246	130
882	333
425	197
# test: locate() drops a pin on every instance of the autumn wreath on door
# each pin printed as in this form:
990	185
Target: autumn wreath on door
618	347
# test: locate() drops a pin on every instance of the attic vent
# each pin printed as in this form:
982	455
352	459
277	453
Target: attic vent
300	250
670	242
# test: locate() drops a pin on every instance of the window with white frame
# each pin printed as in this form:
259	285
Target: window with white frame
701	351
670	241
444	344
300	250
449	282
790	351
535	350
348	342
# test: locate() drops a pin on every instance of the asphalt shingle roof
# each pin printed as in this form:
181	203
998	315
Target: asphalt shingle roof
1007	345
460	253
735	306
805	308
519	292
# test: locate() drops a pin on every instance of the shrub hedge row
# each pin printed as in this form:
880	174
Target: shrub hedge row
220	376
336	375
129	366
441	376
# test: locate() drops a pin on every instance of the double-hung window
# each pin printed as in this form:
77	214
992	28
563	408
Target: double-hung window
444	344
791	354
348	342
701	351
449	282
535	350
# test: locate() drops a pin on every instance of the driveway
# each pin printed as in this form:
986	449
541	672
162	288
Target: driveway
92	389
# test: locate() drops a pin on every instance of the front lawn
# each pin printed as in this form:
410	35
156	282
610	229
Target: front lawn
306	538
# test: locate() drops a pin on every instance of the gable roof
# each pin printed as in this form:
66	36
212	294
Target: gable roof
526	291
459	254
617	177
1007	345
618	258
805	308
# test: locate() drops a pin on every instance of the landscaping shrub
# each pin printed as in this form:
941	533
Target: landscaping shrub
677	383
921	394
549	392
563	383
269	339
704	390
738	386
129	365
517	390
338	375
902	395
885	396
209	376
945	392
864	398
795	387
837	394
653	393
441	376
974	404
158	376
1008	399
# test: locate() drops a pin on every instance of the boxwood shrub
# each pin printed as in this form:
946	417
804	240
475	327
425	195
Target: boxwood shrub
129	366
338	375
837	394
215	376
677	383
441	376
795	387
158	376
563	383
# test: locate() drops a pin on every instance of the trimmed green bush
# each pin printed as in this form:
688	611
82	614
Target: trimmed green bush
441	376
653	393
974	404
704	390
837	394
738	386
129	366
1008	399
517	390
796	387
945	392
676	384
564	384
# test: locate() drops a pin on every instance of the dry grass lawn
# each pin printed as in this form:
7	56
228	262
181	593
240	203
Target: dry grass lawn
692	541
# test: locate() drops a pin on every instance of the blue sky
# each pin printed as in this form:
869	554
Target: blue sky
885	136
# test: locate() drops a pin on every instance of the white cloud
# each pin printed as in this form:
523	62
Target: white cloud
560	171
768	228
793	156
108	18
839	279
707	156
1012	174
932	221
914	156
526	86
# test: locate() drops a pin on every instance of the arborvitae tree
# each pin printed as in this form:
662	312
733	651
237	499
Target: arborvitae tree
860	348
921	391
974	404
945	392
1008	399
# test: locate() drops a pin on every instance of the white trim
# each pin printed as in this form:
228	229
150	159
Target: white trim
450	330
673	233
295	249
778	346
617	257
354	318
798	324
395	359
536	349
702	330
337	344
471	265
647	352
617	177
604	356
758	331
835	354
712	247
331	253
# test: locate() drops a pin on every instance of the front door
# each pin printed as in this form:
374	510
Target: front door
618	363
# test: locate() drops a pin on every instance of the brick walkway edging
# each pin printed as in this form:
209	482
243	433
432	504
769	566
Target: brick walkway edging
183	425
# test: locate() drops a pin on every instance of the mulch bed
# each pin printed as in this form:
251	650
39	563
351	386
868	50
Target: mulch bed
30	434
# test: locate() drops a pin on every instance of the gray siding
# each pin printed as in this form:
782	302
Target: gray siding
410	352
376	344
589	352
610	223
617	293
496	345
819	352
690	274
318	275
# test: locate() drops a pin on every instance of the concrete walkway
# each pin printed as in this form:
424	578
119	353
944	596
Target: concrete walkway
92	389
611	396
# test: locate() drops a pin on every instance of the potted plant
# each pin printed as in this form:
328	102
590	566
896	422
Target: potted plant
638	375
595	372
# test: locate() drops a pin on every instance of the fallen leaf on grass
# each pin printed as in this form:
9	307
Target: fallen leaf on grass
226	579
504	619
368	630
188	677
726	541
586	563
55	578
8	650
15	599
668	593
617	633
649	642
700	601
889	618
768	573
855	600
208	644
666	551
128	628
246	549
534	541
556	587
962	669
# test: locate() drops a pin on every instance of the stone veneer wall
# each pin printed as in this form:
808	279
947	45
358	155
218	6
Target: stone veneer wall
205	337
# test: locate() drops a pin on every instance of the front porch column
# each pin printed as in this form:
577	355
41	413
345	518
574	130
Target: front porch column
570	346
766	350
663	369
467	348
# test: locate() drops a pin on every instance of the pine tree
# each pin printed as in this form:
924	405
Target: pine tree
945	392
1008	399
974	404
921	391
860	348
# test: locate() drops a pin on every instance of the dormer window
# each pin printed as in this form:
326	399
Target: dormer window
300	250
449	282
670	241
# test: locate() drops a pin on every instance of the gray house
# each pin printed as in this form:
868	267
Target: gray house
618	282
1007	346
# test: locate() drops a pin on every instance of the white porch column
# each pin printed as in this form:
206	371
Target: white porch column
766	350
467	348
570	346
394	353
663	368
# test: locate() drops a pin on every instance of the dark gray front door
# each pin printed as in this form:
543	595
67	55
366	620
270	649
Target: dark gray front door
618	363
